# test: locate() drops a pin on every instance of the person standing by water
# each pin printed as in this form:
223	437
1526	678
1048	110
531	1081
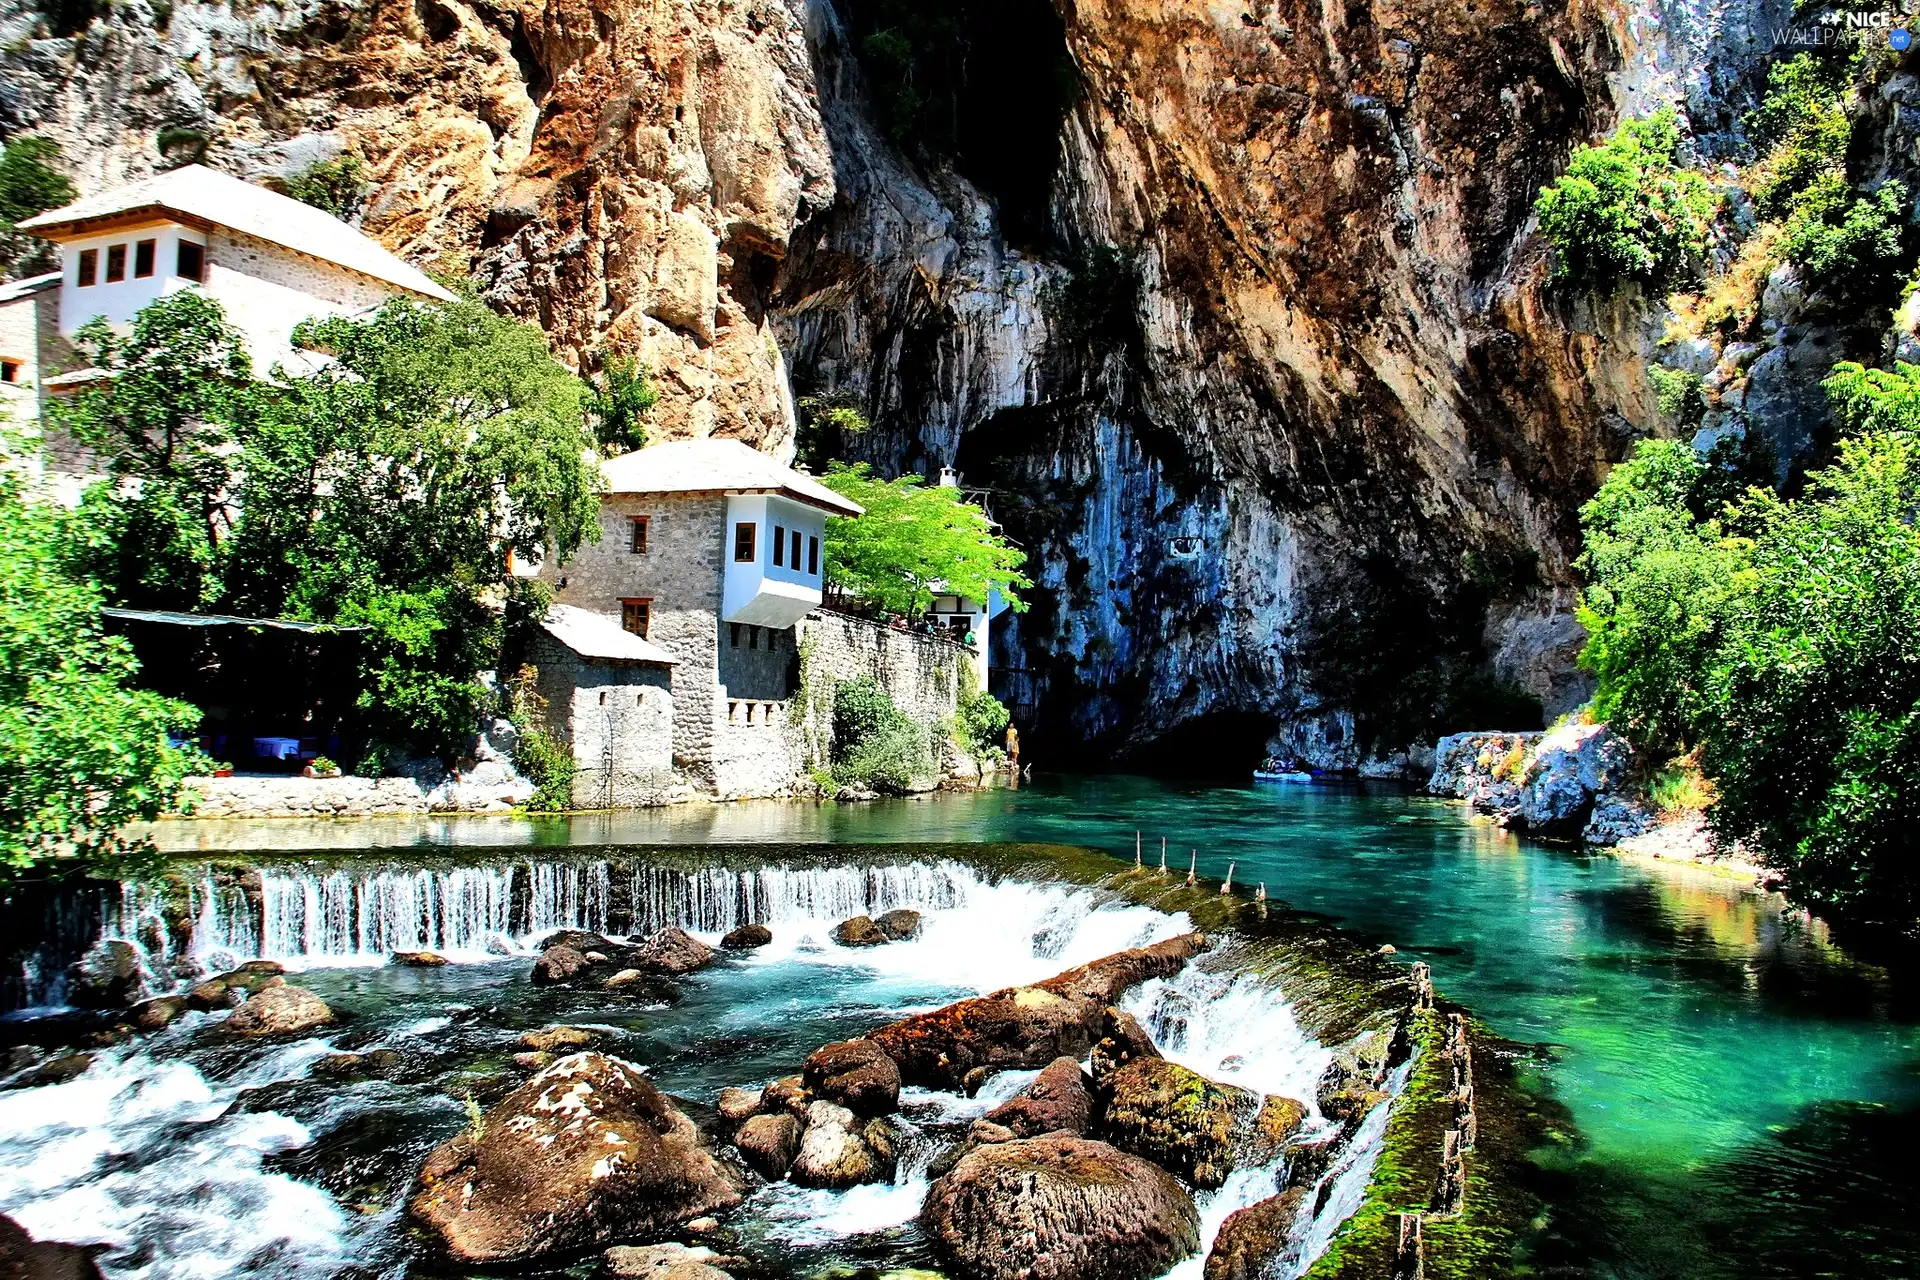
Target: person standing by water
1013	748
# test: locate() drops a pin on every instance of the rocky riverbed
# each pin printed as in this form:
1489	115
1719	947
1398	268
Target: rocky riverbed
1018	1065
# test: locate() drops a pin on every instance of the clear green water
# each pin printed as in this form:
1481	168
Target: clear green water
1745	1094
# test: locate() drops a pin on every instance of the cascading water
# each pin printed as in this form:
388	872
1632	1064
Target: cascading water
159	1159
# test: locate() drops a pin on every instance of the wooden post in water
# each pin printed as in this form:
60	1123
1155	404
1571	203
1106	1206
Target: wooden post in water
1451	1187
1409	1260
1163	855
1260	894
1226	886
1193	865
1136	848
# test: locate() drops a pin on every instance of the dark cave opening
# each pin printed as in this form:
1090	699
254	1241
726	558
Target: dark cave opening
984	84
1215	745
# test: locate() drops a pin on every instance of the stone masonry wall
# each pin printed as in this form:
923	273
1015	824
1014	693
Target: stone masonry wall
617	719
681	573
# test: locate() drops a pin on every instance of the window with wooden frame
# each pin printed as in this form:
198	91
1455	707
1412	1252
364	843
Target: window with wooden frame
116	263
636	615
743	538
191	262
637	535
813	556
88	270
143	258
779	547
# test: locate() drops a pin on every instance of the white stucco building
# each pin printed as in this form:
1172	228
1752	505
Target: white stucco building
269	261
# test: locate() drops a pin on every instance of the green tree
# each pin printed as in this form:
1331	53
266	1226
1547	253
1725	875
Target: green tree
28	185
82	753
388	490
1660	583
1853	245
1802	125
913	540
1626	209
620	403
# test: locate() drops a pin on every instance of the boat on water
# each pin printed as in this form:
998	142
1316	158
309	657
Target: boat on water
1272	770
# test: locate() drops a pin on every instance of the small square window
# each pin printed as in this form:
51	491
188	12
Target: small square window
9	371
743	547
89	267
813	556
733	635
779	546
142	259
191	263
753	636
116	263
637	616
637	535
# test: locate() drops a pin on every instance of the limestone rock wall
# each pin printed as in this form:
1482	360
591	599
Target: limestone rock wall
1336	377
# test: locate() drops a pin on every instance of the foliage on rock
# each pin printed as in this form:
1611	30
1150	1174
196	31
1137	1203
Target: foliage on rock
875	744
335	186
29	184
1627	208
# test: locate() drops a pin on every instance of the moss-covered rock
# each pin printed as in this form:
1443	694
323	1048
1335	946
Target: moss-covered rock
1252	1239
1179	1119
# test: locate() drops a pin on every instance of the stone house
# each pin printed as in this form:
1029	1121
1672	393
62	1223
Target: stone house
270	261
608	695
715	553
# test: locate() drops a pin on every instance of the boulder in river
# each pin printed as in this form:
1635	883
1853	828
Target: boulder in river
223	991
559	963
24	1258
417	959
1060	1208
747	937
857	1074
1179	1119
158	1013
560	1039
668	1261
1025	1027
736	1105
278	1009
787	1094
902	924
840	1150
1057	1099
581	940
585	1153
108	976
1122	1040
1252	1239
860	931
672	950
58	1070
768	1144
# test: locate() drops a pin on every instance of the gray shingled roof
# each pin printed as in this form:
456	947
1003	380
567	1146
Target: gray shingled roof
594	635
725	466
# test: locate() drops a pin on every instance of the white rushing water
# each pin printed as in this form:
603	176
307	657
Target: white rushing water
155	1160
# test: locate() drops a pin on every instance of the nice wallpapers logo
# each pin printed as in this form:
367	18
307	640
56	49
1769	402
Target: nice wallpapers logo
1835	27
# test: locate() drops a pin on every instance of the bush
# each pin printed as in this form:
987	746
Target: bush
541	758
875	744
982	720
1781	638
1847	244
1678	394
336	185
1803	128
1626	210
915	539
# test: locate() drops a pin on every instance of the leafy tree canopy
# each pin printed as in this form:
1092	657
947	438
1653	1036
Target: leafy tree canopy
81	752
387	490
337	185
620	403
913	540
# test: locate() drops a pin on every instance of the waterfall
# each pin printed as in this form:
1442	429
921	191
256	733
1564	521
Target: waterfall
365	911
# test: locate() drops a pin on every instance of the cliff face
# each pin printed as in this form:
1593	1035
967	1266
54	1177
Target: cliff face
1279	405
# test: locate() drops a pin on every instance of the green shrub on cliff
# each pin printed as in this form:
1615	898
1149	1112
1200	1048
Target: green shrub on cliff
336	186
28	185
1781	638
1626	209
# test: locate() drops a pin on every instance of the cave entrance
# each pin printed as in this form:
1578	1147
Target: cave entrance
1223	745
